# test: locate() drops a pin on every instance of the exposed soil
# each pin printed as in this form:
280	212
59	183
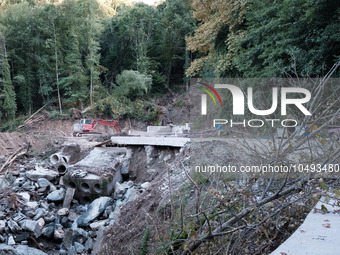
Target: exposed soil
47	131
152	208
10	142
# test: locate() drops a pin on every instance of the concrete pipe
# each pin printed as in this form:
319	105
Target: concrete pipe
68	155
55	158
59	158
97	188
61	168
65	159
85	187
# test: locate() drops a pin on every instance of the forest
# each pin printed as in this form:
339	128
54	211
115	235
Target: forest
116	56
134	63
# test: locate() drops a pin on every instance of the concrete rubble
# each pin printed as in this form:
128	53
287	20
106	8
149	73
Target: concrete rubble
94	210
19	250
62	212
65	205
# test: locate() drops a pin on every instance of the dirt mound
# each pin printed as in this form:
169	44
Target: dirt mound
174	108
42	130
10	142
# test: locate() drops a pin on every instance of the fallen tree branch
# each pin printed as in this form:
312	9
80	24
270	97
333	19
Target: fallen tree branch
36	243
31	117
21	151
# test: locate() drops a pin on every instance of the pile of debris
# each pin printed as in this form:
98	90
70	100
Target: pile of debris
34	119
44	208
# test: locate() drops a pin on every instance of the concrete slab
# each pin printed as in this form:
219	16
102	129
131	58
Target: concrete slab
159	129
319	233
155	141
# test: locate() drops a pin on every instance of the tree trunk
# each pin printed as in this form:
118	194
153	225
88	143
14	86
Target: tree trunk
91	85
56	67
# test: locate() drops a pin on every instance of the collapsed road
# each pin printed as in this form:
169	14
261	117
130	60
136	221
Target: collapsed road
60	204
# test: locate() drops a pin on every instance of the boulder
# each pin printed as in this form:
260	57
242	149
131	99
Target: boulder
4	184
8	250
79	247
25	250
68	239
22	236
2	225
13	226
24	195
43	183
89	244
72	216
59	234
63	211
41	222
33	205
41	172
39	212
130	195
72	251
95	209
48	230
119	189
32	226
57	195
96	225
68	197
146	185
11	240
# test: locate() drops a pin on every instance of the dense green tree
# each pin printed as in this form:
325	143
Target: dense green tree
129	39
54	51
64	51
215	40
91	30
8	105
73	79
23	43
52	17
266	38
133	84
177	22
301	31
58	52
150	40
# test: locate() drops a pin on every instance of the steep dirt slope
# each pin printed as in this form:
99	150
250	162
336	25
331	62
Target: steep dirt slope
10	142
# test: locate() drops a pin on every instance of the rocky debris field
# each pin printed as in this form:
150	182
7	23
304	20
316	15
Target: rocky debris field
42	213
38	211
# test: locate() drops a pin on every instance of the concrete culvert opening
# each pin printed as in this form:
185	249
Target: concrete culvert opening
62	169
54	159
97	188
85	187
72	185
65	160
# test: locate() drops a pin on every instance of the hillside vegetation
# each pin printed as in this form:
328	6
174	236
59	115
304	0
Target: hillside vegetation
115	55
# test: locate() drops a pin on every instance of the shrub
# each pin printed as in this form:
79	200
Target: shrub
133	84
11	125
118	107
145	241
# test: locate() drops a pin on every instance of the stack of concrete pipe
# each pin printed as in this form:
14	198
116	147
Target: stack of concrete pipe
97	174
68	155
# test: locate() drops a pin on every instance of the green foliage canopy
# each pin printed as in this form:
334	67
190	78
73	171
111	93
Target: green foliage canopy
133	84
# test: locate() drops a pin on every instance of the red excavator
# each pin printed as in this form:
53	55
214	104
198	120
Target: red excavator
87	126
